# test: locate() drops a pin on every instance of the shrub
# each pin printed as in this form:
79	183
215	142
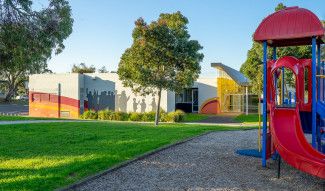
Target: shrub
181	115
105	114
90	114
120	116
166	117
134	116
149	116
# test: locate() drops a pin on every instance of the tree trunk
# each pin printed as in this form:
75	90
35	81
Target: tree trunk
11	92
158	108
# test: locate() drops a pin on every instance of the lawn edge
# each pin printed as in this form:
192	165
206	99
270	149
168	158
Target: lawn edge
83	181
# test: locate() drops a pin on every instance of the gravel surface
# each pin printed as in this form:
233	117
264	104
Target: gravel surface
208	162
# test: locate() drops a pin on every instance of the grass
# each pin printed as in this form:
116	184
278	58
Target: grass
191	117
51	155
21	118
250	118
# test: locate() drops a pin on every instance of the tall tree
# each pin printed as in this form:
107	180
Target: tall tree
83	68
29	37
103	70
162	57
252	67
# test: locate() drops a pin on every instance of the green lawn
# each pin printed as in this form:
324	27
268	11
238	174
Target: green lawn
51	155
191	117
250	118
21	118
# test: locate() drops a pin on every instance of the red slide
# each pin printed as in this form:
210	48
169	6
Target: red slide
289	140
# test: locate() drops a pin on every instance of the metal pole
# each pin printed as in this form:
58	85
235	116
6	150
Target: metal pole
318	135
246	100
318	71
313	111
59	100
264	104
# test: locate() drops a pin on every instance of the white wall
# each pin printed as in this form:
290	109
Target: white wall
48	83
207	88
125	99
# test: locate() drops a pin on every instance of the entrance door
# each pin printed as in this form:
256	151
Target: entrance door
195	100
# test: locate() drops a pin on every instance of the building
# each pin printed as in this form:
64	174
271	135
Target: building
69	95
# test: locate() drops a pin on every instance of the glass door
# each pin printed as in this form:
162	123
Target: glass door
195	100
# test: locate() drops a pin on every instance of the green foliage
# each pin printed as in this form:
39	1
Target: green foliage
149	116
59	154
134	116
90	114
102	70
162	56
105	114
29	37
120	116
83	68
177	116
252	67
194	117
250	118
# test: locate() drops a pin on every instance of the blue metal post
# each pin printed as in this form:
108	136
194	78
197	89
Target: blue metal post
282	86
289	101
264	104
318	135
274	53
323	89
313	110
275	79
318	71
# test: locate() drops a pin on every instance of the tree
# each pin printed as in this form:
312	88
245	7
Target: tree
103	70
83	68
252	67
28	38
162	57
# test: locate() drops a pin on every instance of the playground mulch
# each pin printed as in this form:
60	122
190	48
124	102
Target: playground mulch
208	162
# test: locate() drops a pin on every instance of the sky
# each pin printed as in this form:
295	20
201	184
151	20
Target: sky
102	28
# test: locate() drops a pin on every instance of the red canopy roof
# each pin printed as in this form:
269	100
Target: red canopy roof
289	27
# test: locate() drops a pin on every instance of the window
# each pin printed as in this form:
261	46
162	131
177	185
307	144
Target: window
306	92
285	84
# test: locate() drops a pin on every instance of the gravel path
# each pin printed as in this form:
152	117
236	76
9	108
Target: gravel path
205	163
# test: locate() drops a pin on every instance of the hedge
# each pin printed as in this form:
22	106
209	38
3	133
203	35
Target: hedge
175	116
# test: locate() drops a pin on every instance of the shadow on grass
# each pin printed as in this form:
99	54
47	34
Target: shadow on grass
52	155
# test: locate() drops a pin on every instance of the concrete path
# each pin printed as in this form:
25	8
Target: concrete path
38	121
208	162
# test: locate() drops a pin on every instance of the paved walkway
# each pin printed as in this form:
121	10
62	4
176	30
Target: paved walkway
208	162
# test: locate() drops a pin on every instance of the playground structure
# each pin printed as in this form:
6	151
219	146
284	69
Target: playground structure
293	91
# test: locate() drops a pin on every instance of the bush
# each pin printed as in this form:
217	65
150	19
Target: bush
105	114
120	116
149	116
134	116
175	116
165	117
90	114
181	115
